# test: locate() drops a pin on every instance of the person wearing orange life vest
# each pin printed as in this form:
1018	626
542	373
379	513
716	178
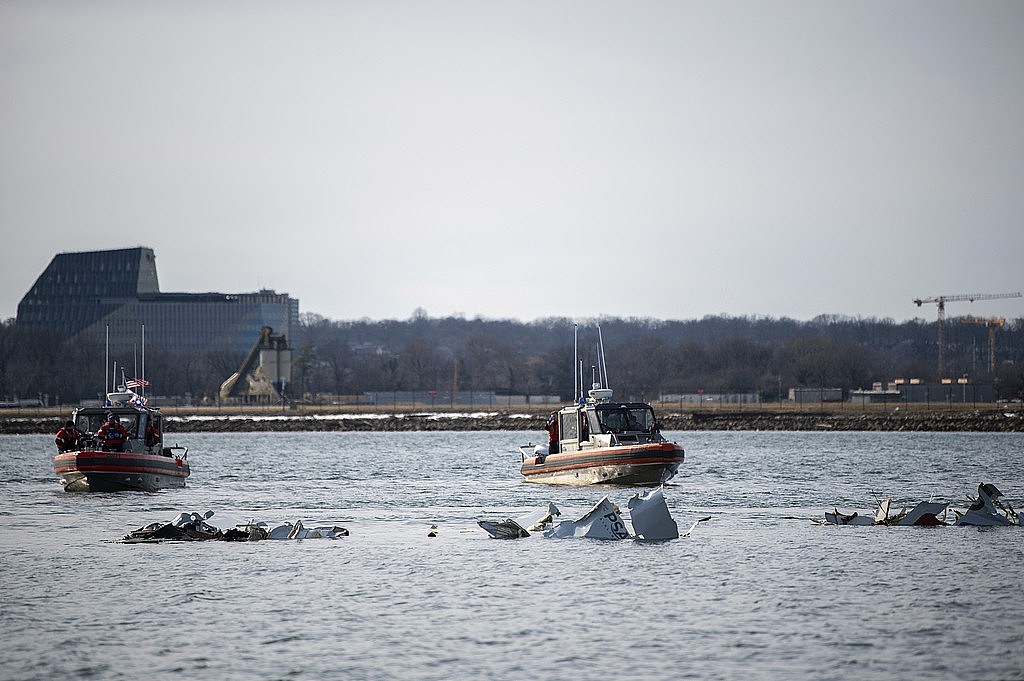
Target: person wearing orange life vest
67	437
552	428
112	434
152	434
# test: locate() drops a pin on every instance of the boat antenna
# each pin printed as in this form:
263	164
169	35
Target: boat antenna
575	364
579	399
106	363
604	367
143	374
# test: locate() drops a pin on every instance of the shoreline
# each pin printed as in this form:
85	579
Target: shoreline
991	418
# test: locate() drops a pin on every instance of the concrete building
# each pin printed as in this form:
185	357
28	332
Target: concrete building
710	398
464	398
811	395
84	294
879	394
950	391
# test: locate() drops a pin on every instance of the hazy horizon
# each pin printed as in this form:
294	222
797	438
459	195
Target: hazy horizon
663	160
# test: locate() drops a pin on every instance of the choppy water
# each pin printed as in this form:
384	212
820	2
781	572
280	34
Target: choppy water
757	592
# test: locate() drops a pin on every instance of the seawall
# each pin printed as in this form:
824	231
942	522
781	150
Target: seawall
178	421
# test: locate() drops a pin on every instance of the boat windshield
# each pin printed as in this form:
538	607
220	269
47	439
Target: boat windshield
90	423
625	419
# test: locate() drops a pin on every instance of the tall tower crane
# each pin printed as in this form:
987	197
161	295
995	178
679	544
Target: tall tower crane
941	302
991	323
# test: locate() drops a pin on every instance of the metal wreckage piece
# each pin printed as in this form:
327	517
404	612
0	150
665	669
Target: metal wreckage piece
193	527
649	519
985	510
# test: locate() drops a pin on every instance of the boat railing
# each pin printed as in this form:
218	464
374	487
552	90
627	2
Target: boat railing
635	438
170	451
90	443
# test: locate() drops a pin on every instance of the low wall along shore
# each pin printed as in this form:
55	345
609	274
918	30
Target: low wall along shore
994	418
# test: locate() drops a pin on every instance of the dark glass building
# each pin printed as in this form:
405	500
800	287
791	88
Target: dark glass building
85	294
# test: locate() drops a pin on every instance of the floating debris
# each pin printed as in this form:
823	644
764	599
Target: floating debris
649	520
506	529
184	527
193	527
650	517
603	521
519	528
924	514
986	510
696	522
259	530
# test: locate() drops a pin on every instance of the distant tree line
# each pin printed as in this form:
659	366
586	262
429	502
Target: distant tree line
646	357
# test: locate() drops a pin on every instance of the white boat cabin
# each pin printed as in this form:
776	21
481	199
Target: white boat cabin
599	422
136	419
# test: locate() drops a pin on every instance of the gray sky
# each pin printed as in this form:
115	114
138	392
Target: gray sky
525	159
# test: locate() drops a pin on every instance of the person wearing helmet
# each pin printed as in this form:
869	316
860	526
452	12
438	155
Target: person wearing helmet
67	437
112	435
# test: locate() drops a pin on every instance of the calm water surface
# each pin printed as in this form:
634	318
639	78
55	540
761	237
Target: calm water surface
757	592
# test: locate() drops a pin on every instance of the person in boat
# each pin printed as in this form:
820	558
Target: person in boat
552	428
67	437
152	434
112	435
615	421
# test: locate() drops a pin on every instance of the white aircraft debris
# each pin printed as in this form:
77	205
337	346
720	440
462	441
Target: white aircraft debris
986	510
649	520
650	517
193	527
601	522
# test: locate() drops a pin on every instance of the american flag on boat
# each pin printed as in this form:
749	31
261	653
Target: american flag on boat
138	399
136	383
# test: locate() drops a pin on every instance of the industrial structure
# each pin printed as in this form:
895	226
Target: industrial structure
991	323
100	295
941	301
265	374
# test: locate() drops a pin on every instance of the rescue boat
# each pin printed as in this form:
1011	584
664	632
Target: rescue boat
604	442
143	463
599	441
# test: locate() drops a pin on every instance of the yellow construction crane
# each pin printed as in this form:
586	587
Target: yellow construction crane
941	302
991	323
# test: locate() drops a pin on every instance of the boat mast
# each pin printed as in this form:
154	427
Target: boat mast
603	366
575	364
106	363
579	372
